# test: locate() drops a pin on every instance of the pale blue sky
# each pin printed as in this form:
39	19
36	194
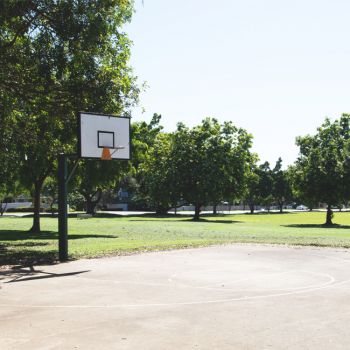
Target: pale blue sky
275	67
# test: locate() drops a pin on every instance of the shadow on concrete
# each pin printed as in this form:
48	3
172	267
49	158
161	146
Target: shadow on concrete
30	274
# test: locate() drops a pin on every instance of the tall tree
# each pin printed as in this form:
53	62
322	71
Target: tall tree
322	168
8	159
281	187
57	58
301	185
210	160
251	194
265	186
159	175
144	136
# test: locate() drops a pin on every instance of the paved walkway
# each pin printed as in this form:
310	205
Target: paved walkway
227	297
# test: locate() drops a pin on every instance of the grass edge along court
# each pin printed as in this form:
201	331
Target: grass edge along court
119	235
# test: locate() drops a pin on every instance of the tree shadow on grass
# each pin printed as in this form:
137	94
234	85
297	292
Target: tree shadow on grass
26	257
156	216
201	220
215	221
29	244
259	213
24	248
102	215
336	226
17	235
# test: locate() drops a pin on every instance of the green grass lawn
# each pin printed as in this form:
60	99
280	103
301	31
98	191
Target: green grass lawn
113	235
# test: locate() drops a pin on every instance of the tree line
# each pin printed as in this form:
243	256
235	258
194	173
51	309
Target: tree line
212	163
57	58
209	164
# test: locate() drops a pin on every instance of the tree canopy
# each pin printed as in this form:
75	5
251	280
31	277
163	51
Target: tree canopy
57	58
322	168
210	160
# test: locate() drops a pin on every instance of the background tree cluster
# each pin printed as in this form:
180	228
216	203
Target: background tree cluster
201	165
267	187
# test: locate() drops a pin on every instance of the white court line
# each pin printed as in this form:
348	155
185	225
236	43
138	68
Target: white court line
331	279
301	290
212	285
333	258
217	301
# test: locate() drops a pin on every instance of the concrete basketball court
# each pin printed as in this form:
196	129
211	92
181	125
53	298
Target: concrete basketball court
223	297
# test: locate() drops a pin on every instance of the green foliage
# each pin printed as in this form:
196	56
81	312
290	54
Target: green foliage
50	193
76	201
143	138
281	189
265	186
94	176
210	161
202	165
8	159
159	175
321	172
57	58
251	193
9	184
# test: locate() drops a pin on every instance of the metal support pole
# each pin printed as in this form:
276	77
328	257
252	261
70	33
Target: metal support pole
62	208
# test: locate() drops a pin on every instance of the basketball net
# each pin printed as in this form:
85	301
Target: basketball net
106	154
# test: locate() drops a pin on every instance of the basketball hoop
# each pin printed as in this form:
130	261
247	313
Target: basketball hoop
106	153
101	136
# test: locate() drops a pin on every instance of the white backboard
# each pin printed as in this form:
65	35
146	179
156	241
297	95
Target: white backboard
97	131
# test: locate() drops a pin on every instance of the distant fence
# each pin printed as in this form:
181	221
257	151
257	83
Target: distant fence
15	205
119	206
219	208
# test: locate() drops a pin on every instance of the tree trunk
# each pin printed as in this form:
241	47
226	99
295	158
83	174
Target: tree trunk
51	208
215	211
90	203
3	207
36	201
197	211
160	210
329	216
281	208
